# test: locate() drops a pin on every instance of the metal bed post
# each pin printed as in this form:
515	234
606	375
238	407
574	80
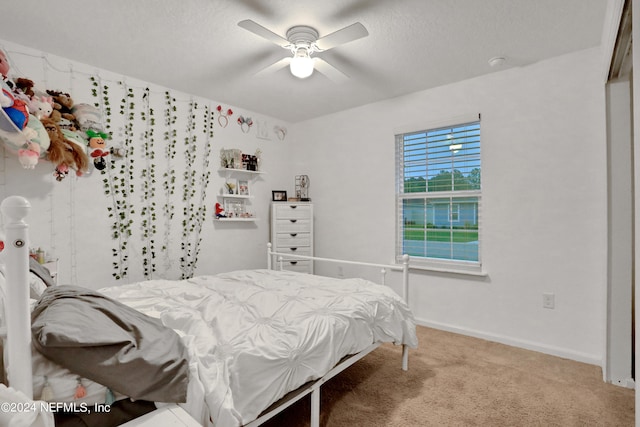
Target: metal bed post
16	254
315	408
405	278
269	256
405	295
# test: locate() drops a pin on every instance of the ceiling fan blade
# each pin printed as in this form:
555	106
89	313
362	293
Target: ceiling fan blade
261	31
331	72
276	66
347	34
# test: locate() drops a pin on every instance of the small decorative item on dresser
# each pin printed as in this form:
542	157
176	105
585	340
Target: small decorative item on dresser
302	188
279	196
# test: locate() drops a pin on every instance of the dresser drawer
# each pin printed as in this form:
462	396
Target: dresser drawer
303	266
306	251
290	240
293	211
293	225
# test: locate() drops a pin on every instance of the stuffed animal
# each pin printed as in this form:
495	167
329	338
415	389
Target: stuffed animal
98	148
64	153
66	124
88	117
62	106
41	106
29	156
16	109
220	213
24	89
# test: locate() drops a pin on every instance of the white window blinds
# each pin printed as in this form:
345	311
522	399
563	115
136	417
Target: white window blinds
439	192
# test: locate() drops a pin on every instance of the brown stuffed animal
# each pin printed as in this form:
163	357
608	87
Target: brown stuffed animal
64	153
25	86
62	105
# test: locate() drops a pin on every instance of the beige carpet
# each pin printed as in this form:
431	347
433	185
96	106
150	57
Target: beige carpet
456	380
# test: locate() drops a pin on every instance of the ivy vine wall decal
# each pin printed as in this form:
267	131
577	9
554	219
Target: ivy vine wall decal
115	185
194	208
169	175
148	179
135	208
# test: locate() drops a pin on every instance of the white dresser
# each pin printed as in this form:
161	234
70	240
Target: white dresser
292	233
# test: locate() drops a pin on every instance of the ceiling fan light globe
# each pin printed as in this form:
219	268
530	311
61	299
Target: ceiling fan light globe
301	66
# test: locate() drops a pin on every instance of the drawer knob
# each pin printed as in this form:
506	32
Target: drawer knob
293	234
293	220
293	206
293	262
293	249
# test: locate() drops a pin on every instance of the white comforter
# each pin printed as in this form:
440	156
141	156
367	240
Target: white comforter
255	335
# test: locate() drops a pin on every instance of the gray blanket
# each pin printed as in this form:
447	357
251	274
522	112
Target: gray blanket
110	343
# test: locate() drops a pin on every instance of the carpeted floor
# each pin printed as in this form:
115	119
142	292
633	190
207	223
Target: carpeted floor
455	380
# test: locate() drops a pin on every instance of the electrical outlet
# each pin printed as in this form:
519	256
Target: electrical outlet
548	300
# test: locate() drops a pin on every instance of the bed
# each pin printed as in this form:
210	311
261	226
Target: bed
231	349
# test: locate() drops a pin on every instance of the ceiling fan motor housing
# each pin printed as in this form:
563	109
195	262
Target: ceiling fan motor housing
302	36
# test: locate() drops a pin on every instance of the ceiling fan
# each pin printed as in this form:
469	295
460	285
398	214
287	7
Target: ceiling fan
303	41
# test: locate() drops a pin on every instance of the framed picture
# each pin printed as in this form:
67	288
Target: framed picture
279	196
235	208
243	187
230	186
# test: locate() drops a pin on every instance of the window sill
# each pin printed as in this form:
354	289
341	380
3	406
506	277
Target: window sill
449	268
479	273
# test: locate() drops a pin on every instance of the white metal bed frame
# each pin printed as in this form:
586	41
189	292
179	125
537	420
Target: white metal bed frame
18	319
313	387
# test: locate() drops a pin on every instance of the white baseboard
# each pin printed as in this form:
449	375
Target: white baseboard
626	383
514	342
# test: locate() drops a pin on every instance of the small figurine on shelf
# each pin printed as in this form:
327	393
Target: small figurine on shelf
220	213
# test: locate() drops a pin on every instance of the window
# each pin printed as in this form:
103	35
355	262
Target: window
438	195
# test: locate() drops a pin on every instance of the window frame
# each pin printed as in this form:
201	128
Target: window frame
472	267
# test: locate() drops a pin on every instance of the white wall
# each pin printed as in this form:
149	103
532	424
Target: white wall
70	220
543	206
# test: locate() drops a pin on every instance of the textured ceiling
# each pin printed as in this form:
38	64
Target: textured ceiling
195	46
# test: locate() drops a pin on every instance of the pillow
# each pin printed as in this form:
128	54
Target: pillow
36	286
39	278
110	343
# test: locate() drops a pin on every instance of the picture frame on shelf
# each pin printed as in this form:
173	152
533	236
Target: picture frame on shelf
235	208
279	196
243	187
230	186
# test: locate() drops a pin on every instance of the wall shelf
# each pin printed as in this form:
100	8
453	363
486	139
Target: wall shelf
234	196
239	171
235	205
251	219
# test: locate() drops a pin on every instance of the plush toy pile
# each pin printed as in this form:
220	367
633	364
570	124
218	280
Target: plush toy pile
48	125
